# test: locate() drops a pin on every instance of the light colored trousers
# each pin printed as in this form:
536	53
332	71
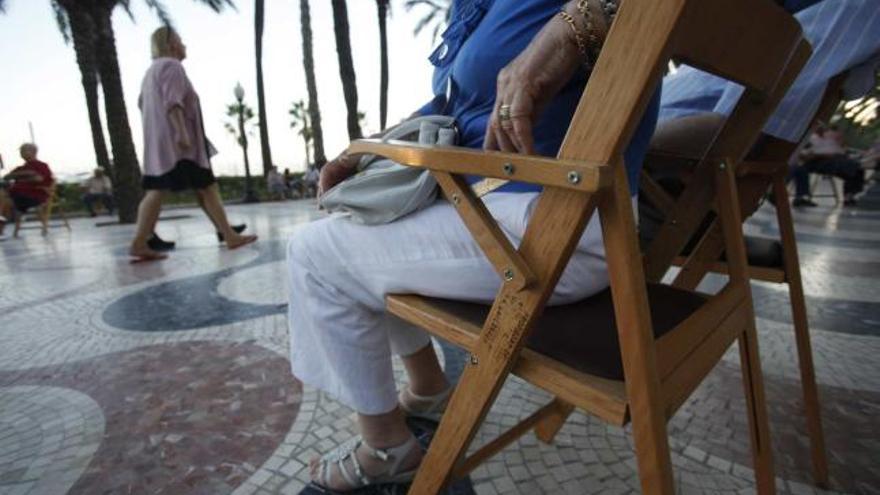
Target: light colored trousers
341	338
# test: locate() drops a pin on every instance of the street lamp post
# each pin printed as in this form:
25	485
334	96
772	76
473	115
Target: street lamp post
249	195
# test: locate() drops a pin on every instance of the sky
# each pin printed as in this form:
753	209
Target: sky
40	83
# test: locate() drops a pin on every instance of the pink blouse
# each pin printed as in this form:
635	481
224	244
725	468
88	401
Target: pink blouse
166	86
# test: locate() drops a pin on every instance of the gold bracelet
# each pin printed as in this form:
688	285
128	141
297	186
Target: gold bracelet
578	38
593	44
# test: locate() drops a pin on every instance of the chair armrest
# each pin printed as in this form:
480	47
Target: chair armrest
545	171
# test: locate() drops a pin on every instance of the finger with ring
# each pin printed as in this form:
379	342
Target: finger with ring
504	112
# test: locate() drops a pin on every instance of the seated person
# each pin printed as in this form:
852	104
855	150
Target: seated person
310	181
31	186
275	184
502	60
98	188
825	154
845	36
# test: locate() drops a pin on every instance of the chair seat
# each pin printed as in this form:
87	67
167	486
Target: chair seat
583	335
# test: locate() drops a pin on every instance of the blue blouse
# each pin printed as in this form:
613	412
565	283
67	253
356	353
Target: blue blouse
482	38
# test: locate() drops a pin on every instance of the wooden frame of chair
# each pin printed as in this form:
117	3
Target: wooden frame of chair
754	177
659	374
44	213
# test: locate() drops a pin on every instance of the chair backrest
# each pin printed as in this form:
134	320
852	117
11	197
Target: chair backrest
696	32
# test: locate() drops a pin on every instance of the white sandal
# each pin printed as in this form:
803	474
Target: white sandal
436	404
359	479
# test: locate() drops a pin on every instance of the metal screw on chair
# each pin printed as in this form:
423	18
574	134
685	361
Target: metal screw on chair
455	199
474	360
509	274
722	166
574	177
508	168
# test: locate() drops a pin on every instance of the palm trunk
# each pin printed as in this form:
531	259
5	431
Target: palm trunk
82	29
382	6
261	95
309	66
127	174
308	159
346	66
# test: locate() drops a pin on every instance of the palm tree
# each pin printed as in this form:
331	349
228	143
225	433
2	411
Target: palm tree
438	14
346	66
311	85
259	10
382	7
240	128
79	28
299	116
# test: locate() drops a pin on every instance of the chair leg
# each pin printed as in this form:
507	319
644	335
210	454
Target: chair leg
44	219
473	397
756	405
802	338
547	429
19	217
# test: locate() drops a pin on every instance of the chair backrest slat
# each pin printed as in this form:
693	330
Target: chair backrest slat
765	37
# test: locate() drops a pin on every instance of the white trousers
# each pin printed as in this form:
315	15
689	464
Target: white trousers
341	338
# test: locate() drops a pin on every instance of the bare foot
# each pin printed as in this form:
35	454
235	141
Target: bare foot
238	241
139	255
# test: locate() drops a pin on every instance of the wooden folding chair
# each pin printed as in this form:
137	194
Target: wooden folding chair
44	212
769	260
637	351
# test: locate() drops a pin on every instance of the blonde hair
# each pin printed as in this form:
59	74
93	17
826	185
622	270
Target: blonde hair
160	41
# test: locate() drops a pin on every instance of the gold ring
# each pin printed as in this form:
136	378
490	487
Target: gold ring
504	112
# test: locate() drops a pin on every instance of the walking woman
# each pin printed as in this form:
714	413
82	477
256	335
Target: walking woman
175	149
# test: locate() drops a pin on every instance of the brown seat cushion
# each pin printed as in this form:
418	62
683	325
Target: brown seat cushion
760	251
686	137
583	335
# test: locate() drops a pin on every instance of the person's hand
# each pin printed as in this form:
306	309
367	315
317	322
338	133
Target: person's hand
528	83
336	171
183	143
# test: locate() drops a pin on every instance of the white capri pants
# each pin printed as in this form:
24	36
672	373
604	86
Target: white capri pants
341	338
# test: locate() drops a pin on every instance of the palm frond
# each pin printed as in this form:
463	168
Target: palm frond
218	5
424	21
158	7
60	19
126	6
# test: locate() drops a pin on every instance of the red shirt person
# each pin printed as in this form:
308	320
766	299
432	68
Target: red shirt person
33	180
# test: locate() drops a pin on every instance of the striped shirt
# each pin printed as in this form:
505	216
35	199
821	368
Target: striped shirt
845	35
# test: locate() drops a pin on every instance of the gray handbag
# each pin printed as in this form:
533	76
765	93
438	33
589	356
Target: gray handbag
383	191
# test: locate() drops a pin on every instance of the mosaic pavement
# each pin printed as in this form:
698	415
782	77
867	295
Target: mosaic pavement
173	377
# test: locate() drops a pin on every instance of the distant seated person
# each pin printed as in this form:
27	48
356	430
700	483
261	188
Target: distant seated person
310	181
31	184
825	154
98	188
845	37
275	184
